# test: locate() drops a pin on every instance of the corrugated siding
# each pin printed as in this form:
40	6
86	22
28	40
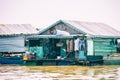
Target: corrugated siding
12	44
104	47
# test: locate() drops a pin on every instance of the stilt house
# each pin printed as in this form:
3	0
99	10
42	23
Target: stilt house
98	39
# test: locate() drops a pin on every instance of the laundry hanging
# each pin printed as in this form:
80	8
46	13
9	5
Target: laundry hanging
76	44
71	45
68	45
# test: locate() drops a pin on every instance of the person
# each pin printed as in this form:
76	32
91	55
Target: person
25	57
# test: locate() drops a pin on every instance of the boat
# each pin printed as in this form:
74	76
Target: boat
11	60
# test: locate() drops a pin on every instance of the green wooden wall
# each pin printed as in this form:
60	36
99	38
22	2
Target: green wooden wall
104	46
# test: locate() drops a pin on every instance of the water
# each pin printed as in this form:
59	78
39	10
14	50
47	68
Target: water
16	72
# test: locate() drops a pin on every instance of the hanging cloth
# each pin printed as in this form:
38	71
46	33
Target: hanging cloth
76	44
71	45
81	45
68	45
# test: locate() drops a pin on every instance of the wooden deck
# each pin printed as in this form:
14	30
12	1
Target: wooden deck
59	62
112	60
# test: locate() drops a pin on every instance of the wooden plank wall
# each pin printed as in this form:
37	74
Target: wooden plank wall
104	47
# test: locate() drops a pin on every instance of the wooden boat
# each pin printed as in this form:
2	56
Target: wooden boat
11	60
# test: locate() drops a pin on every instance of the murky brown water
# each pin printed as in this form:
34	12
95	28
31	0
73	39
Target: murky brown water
15	72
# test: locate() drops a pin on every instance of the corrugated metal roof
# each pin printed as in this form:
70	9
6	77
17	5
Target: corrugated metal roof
12	29
88	28
92	28
48	36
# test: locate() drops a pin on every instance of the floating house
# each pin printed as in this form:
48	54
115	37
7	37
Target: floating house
74	42
12	37
12	42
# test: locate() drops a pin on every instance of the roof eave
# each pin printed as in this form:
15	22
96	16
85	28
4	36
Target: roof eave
105	37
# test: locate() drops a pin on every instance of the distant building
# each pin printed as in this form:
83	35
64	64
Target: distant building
12	37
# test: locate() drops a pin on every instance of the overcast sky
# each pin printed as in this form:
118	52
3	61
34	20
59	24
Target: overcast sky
42	13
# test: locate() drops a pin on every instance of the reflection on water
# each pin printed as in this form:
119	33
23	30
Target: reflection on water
15	72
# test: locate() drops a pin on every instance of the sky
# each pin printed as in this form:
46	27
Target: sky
43	13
